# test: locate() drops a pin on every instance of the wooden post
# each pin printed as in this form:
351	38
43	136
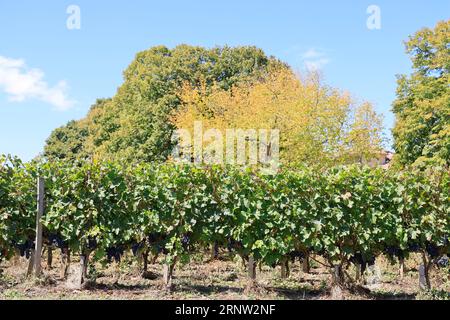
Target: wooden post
305	264
40	212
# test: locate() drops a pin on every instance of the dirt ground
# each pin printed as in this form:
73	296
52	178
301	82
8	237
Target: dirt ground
220	279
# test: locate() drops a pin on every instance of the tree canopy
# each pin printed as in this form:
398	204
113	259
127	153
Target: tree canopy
241	87
318	125
422	107
67	142
134	125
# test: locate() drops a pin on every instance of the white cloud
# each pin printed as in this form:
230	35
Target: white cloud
315	60
21	83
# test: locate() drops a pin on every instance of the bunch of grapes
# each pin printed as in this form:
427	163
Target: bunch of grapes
363	261
370	261
393	251
25	248
320	252
357	258
160	248
3	254
296	255
443	262
136	247
56	241
157	241
234	245
186	241
155	237
413	247
432	250
445	241
92	244
114	253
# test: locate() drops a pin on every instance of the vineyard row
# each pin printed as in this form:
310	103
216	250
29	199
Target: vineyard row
347	215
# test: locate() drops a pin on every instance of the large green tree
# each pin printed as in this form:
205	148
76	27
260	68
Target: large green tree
422	107
67	142
134	125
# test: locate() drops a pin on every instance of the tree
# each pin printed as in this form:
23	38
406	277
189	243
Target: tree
67	142
134	125
364	140
318	125
422	107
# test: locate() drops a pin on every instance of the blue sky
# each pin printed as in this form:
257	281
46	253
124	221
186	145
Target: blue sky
51	74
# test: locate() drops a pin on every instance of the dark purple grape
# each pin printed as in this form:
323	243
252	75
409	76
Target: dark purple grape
296	255
185	241
432	250
234	245
135	247
413	247
357	259
92	244
161	249
393	251
25	248
443	262
114	253
370	261
57	241
445	241
155	237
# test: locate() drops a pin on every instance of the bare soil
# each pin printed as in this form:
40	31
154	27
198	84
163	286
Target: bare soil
223	279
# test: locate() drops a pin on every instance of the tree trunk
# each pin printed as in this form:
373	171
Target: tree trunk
168	275
401	270
285	268
16	258
84	262
65	262
306	268
145	262
251	271
49	257
30	263
144	271
337	283
214	251
358	272
155	258
423	282
424	274
244	262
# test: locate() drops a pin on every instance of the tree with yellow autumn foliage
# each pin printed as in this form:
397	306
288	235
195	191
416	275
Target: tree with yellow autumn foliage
318	125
